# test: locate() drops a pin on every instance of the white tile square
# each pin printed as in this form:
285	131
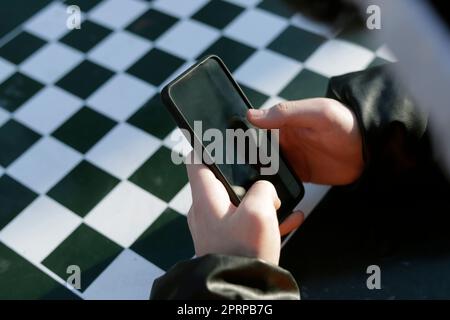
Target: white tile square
125	213
6	69
48	109
179	8
117	14
123	150
128	277
4	116
272	101
336	57
44	164
121	96
39	229
267	71
385	53
51	62
50	22
256	27
188	39
183	200
175	74
127	49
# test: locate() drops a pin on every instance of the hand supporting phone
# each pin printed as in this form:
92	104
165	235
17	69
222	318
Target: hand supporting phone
207	92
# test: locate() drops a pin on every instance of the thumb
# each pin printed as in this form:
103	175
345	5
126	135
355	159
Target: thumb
300	113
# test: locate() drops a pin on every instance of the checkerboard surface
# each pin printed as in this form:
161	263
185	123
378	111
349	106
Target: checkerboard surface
85	172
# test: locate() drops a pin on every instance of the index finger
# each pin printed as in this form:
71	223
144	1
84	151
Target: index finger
206	188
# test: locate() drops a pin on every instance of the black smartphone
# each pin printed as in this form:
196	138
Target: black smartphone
207	94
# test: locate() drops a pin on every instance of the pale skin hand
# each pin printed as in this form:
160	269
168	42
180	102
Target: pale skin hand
322	142
320	138
250	230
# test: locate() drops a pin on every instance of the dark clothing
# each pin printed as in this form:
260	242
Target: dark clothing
225	277
395	143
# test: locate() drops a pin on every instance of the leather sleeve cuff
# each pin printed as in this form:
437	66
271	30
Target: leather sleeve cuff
382	108
225	277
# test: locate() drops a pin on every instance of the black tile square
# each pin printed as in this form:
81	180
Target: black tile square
15	139
166	241
256	98
154	118
370	39
14	197
296	43
307	84
160	176
21	47
84	79
152	24
14	13
83	188
155	67
87	37
232	52
85	5
16	90
84	129
279	7
86	248
218	13
21	280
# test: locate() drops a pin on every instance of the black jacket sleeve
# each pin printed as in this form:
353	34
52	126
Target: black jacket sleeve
225	277
389	123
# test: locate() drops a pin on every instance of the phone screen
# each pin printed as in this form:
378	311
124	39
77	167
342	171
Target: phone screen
207	94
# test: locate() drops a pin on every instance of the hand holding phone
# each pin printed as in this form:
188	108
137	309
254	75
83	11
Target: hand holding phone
249	230
206	99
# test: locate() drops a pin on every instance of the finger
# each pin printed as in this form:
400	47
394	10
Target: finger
202	180
190	219
292	222
262	193
301	113
206	189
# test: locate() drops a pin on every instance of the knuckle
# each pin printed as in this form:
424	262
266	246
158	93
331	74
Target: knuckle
260	218
264	185
281	108
256	217
249	208
328	108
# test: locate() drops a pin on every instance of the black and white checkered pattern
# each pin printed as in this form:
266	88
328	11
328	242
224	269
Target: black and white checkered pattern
85	172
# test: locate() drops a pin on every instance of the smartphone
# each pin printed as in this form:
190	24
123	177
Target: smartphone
206	93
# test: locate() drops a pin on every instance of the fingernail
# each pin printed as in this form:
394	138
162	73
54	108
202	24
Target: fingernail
256	113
